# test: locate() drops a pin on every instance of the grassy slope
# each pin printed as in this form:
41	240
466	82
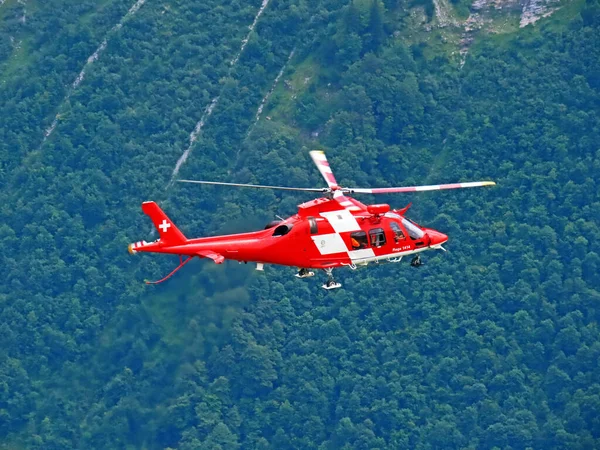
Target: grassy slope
306	74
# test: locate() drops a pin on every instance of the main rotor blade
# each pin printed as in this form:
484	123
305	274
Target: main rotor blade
256	186
435	187
320	160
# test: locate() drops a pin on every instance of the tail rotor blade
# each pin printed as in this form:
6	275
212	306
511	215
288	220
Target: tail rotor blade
435	187
320	160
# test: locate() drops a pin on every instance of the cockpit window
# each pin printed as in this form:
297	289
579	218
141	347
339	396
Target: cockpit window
413	231
392	215
282	230
377	237
398	234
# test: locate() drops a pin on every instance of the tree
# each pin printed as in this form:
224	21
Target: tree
220	437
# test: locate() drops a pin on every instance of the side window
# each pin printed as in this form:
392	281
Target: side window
377	237
358	240
398	234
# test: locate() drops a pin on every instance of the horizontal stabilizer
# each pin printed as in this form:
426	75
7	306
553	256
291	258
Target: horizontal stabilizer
216	257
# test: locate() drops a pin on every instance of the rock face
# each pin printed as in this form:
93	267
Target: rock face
443	12
533	10
530	10
481	10
492	16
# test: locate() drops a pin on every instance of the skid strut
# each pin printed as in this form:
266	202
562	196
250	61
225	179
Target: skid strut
181	264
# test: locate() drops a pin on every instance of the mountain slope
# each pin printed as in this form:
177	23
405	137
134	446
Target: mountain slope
493	344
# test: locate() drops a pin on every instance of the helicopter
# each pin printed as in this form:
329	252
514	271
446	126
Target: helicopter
329	232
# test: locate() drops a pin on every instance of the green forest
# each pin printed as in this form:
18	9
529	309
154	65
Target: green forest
494	344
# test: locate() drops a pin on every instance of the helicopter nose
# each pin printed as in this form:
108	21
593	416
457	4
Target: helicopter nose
436	238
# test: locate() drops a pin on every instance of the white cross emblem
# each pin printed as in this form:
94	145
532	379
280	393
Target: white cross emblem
164	225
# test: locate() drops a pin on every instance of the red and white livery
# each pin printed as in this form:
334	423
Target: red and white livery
326	233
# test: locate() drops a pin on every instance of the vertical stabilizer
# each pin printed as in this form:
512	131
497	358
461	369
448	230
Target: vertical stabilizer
169	233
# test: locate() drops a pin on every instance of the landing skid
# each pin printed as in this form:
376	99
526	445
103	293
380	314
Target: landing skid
333	285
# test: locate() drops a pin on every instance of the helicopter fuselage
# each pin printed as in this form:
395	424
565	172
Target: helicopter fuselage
324	233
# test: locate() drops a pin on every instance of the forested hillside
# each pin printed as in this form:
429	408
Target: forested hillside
492	345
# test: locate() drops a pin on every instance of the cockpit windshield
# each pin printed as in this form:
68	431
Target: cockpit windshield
392	215
413	231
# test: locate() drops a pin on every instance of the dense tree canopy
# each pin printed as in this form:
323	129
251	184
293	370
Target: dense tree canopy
494	344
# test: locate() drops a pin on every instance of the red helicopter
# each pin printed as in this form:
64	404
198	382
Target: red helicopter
326	233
